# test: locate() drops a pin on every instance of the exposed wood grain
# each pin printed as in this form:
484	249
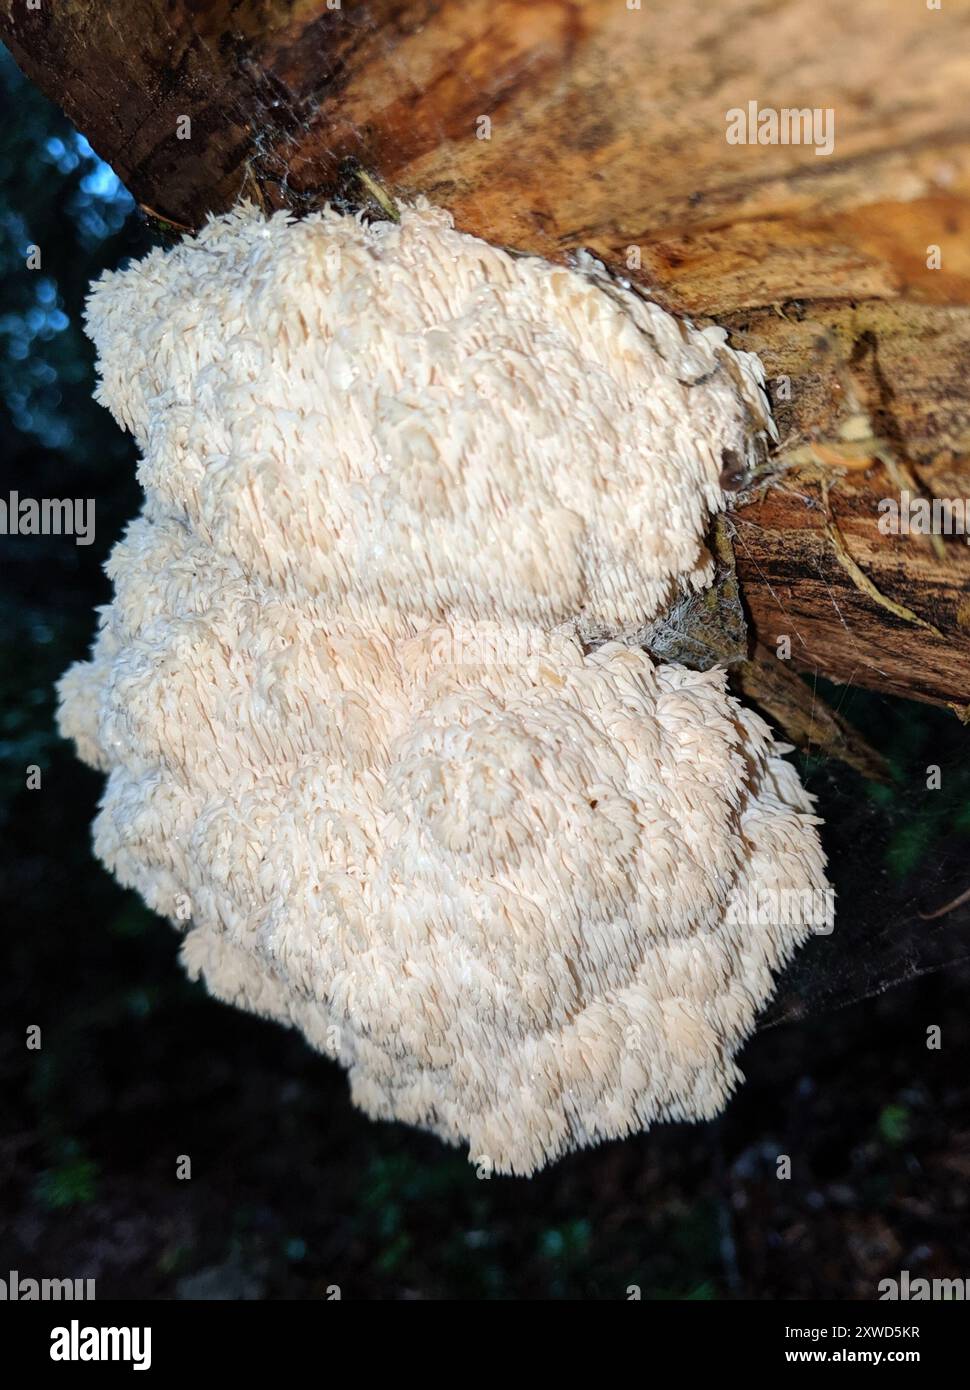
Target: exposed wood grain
608	132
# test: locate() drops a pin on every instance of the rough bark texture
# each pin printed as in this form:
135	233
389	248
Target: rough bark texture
608	132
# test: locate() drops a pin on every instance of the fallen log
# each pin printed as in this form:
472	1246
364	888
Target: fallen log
549	127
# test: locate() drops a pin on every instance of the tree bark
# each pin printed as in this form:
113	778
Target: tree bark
606	129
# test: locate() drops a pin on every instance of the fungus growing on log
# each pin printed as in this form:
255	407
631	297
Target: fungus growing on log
377	730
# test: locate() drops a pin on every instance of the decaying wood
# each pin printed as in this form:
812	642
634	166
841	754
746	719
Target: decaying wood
607	131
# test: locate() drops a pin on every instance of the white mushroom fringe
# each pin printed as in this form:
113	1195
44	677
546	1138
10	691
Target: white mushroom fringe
357	745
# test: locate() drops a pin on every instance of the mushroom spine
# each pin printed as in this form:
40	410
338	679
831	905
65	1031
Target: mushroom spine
377	732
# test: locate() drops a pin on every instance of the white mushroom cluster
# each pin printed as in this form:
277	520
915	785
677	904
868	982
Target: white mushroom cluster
377	733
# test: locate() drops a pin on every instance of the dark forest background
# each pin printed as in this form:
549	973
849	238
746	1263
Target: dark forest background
293	1191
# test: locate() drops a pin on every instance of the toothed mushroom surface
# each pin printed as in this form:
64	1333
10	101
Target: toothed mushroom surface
377	736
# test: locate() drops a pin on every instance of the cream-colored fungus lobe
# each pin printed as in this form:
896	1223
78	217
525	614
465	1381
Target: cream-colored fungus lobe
396	480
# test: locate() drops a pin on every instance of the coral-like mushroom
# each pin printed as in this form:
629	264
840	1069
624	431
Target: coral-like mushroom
396	480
